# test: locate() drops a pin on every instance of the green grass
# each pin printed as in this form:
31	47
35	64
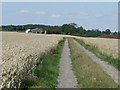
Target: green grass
88	73
114	62
46	73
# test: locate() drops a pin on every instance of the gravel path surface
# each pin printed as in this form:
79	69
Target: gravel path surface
66	77
110	70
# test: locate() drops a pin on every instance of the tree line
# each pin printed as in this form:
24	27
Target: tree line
67	29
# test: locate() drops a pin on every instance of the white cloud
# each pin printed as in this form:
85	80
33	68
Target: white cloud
55	15
24	11
41	12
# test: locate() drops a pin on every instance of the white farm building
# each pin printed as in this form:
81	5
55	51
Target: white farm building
27	31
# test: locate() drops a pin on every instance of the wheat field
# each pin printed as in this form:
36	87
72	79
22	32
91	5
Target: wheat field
105	45
20	51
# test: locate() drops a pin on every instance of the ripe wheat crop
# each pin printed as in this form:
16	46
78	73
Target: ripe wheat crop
20	51
105	45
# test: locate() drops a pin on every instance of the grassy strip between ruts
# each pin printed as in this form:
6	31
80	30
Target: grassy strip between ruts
114	62
88	73
46	73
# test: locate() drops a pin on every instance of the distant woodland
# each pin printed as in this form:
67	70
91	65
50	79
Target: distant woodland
67	29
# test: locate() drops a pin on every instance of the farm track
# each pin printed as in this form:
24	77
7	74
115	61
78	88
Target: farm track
66	76
110	70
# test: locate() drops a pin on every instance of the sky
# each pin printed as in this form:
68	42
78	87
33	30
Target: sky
90	15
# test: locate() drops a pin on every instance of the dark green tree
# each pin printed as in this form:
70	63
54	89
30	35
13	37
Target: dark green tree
81	30
107	31
69	29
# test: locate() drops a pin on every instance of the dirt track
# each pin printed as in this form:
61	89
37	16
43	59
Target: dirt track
66	77
110	70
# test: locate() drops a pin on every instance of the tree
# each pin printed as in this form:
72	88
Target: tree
107	31
53	31
115	33
69	29
93	33
74	24
81	30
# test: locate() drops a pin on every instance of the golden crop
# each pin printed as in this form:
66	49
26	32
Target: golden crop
20	50
105	45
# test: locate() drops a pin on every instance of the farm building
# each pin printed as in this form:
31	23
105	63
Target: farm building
27	31
37	30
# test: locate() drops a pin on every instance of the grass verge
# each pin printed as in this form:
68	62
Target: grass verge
46	73
114	62
88	73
